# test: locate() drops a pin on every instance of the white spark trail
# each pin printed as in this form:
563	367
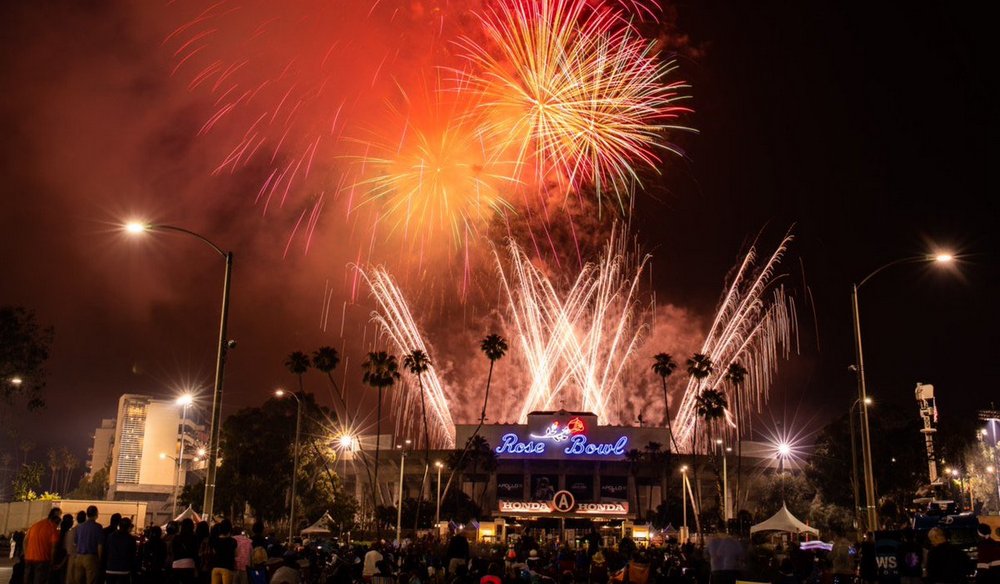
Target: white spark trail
396	322
755	325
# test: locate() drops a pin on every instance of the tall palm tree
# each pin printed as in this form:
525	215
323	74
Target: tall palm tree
711	406
381	372
26	447
326	359
417	362
69	462
699	366
297	364
736	376
55	463
664	365
494	347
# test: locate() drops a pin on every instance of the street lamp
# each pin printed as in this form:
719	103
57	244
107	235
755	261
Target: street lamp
184	401
399	498
866	446
684	486
295	459
854	460
220	361
437	513
16	381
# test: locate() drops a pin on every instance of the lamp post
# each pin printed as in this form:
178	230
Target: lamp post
854	460
684	526
437	513
177	474
295	459
399	498
220	359
184	401
866	446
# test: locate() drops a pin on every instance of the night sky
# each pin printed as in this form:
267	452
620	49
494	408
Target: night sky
868	127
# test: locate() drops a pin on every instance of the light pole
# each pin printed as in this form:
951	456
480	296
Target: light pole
399	498
177	474
866	446
295	459
437	513
854	460
684	526
220	360
184	401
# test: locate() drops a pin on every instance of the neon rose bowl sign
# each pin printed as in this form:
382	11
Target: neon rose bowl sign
565	439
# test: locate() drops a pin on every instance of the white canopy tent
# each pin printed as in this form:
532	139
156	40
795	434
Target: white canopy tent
188	513
783	520
321	527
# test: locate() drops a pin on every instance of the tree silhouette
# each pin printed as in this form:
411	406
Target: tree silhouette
381	372
417	363
664	365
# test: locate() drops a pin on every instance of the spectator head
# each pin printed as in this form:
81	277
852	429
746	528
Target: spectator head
187	526
81	516
67	523
936	536
290	559
124	525
201	530
115	520
172	527
55	515
154	532
225	527
258	528
92	512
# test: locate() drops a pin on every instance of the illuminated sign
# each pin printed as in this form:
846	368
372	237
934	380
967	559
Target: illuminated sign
511	443
563	503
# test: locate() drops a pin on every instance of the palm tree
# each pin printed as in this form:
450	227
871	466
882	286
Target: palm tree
326	359
297	364
700	367
55	463
417	362
736	376
26	447
381	372
494	347
664	365
69	462
710	406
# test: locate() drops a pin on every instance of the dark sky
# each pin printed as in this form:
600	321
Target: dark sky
867	126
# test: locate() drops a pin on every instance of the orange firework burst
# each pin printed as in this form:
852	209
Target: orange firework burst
573	91
432	173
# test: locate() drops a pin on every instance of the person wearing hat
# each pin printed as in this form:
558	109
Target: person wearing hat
534	562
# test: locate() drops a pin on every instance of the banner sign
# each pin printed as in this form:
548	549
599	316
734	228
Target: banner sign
614	487
510	486
563	503
582	487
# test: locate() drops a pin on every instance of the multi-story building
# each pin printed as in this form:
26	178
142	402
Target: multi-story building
100	452
146	460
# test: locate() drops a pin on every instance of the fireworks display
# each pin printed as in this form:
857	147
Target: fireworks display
572	93
575	343
755	325
434	124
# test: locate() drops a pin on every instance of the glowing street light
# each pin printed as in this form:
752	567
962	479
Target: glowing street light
437	513
16	381
138	228
866	447
295	458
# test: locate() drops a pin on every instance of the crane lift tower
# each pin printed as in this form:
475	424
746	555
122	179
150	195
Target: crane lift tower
928	412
